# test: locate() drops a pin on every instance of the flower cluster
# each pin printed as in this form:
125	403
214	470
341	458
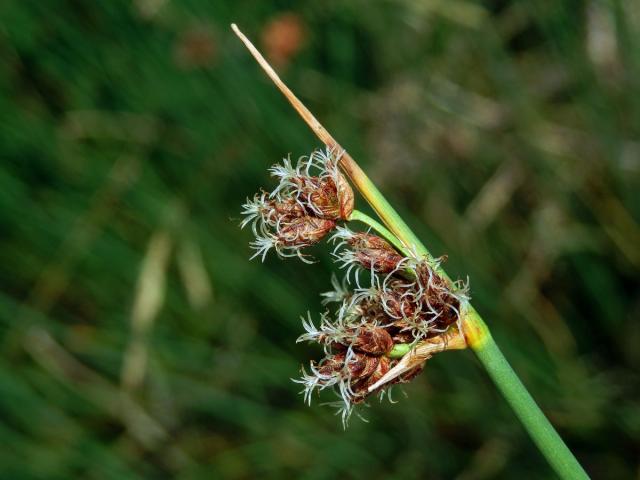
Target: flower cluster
407	301
405	306
305	206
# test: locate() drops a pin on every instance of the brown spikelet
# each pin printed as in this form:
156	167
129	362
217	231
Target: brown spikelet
289	207
326	197
306	230
375	253
362	366
362	389
373	340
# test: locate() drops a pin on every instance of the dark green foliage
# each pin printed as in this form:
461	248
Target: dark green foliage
507	134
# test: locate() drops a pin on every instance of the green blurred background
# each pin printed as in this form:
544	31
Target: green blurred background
139	341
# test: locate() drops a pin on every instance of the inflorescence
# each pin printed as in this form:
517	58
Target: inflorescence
305	206
404	301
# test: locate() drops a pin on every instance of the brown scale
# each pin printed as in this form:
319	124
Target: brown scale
303	231
373	340
288	208
324	197
439	296
361	366
284	210
399	305
370	339
332	363
448	315
372	252
333	202
361	389
444	303
383	367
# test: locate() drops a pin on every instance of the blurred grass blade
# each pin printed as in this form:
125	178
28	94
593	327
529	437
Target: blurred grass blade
149	297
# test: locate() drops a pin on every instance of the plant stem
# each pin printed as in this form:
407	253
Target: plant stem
475	331
525	407
357	215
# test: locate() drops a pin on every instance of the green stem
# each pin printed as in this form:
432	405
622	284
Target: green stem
525	407
381	229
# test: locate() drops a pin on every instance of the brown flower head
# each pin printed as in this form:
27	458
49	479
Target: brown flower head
408	304
365	252
303	208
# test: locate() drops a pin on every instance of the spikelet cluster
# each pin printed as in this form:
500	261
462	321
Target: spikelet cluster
388	301
404	301
309	200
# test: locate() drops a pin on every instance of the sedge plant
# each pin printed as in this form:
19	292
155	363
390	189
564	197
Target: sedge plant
396	307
